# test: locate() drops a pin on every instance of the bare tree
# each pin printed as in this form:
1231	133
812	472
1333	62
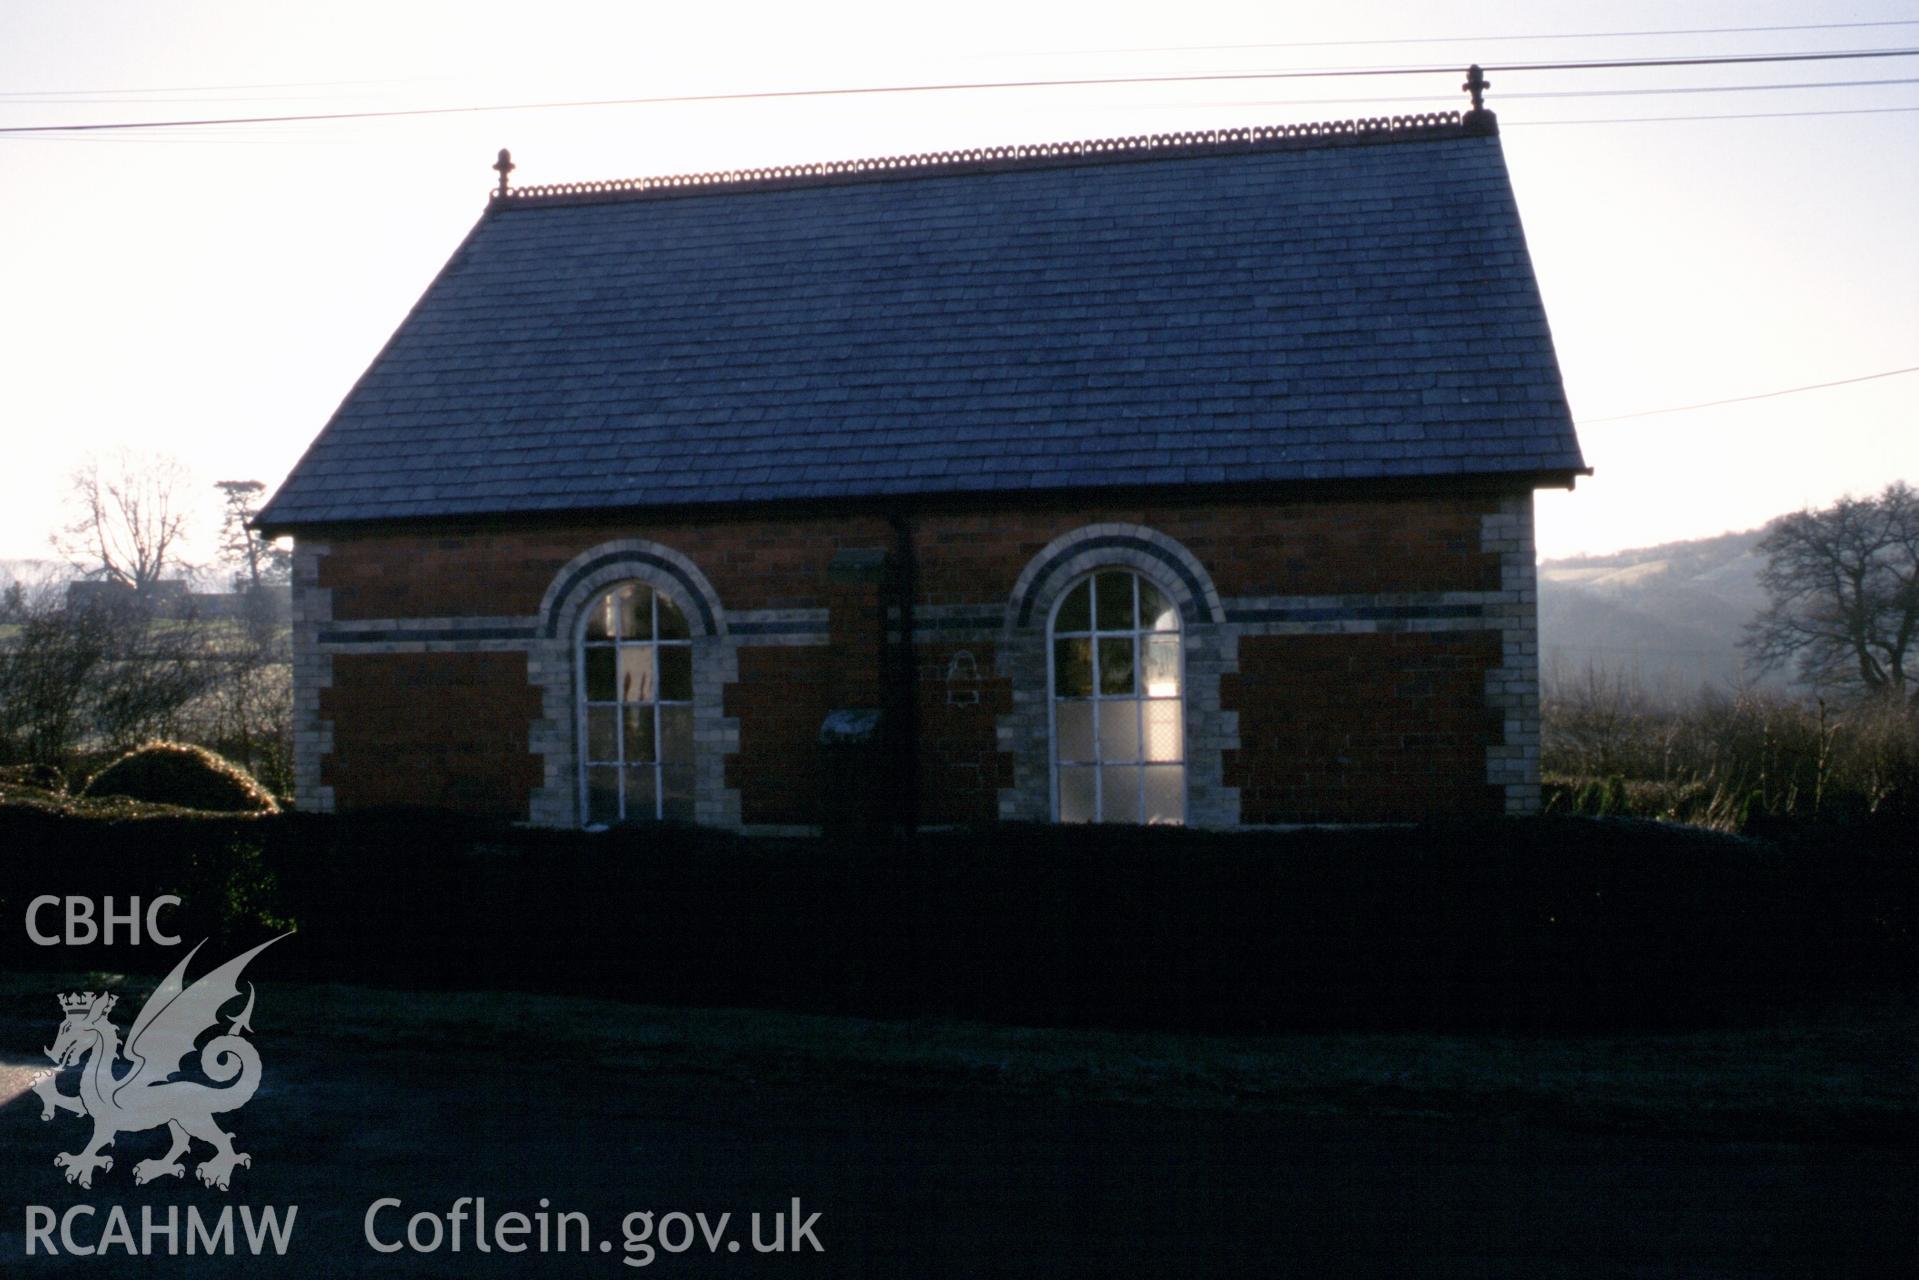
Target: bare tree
255	561
100	675
1843	584
130	519
1601	721
247	713
48	661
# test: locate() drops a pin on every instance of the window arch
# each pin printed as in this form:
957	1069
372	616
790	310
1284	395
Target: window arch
1118	702
635	708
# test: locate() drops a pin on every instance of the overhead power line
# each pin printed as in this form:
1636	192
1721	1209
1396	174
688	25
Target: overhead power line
1741	115
1709	88
213	88
1288	102
34	94
1483	39
772	95
237	138
1764	395
22	100
1555	93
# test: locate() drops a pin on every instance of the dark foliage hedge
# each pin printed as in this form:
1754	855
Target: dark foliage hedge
41	777
1549	923
179	773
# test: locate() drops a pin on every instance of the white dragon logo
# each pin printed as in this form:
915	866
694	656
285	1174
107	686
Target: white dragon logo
147	1096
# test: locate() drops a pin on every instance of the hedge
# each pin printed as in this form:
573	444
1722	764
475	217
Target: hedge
1543	923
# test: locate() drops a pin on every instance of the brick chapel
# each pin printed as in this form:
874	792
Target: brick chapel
1178	479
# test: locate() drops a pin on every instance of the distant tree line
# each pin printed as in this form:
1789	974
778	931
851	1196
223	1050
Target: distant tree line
1842	615
85	674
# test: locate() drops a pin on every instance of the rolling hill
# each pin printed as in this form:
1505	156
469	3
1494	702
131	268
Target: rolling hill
1672	614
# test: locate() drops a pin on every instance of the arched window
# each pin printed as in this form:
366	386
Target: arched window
636	708
1119	743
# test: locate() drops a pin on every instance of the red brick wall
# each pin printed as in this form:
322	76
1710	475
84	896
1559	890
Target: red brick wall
782	696
1405	544
961	768
757	564
431	728
783	775
1250	549
1426	543
1336	728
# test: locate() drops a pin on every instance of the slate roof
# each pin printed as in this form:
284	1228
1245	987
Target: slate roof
1319	302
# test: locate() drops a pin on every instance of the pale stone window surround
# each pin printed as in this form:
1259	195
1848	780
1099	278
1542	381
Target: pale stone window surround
1024	656
553	667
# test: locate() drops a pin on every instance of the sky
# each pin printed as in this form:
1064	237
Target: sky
211	293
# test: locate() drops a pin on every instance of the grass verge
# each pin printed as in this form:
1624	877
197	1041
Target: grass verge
1838	1072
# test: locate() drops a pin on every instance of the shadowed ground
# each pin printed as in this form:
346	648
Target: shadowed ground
943	1149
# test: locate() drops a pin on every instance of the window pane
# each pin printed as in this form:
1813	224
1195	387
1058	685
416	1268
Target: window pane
1115	665
1076	795
1118	731
1076	611
599	673
636	611
599	619
1165	793
638	723
603	733
676	790
628	673
1119	794
641	802
603	795
1073	668
672	621
1162	666
676	735
676	673
636	673
1073	725
1165	735
1113	597
1156	612
1119	758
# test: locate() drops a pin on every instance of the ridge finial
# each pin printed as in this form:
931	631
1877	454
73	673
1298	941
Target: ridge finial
1476	84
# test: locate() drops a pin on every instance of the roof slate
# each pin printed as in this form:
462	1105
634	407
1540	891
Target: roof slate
1247	313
